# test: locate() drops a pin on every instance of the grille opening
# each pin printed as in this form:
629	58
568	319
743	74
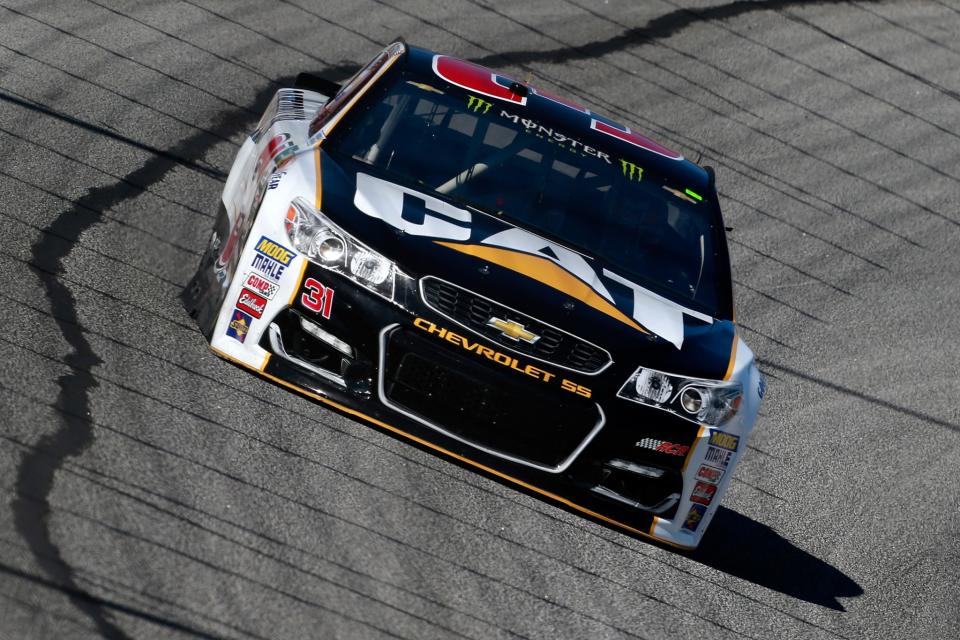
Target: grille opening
485	403
473	311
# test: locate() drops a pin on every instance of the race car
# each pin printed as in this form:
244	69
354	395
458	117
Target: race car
496	274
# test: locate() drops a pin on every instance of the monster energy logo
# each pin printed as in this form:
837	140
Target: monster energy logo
476	104
631	171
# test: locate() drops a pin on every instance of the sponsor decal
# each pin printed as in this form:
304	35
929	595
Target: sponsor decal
410	211
501	358
256	282
567	103
703	493
252	303
694	516
521	251
555	137
271	258
267	266
624	133
709	474
476	79
275	178
662	446
317	298
718	457
279	150
239	325
478	104
267	247
724	440
631	171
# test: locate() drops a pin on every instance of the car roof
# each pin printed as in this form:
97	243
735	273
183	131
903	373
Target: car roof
590	127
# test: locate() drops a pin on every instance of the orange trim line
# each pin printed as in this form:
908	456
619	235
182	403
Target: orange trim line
733	357
449	453
327	128
296	288
696	441
545	271
319	189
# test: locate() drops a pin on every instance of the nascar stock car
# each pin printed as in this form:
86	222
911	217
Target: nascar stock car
494	273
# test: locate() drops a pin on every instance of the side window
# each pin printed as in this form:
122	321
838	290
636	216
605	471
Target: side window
353	87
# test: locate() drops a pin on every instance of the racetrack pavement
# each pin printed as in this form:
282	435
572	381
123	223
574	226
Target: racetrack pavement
152	490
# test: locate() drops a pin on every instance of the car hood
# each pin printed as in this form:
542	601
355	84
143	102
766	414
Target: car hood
424	236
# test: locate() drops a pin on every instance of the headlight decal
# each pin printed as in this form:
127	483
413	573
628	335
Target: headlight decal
324	243
707	402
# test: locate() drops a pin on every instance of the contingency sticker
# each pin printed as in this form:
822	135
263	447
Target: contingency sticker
252	303
239	325
703	493
256	282
709	474
694	516
718	457
724	440
272	258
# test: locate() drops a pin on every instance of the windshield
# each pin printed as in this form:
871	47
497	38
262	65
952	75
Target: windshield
430	135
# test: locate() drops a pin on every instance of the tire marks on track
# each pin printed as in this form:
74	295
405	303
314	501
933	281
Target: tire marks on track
846	171
522	58
100	604
398	496
609	538
36	473
129	591
244	108
178	158
720	24
118	94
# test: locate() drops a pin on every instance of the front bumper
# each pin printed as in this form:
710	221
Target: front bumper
407	369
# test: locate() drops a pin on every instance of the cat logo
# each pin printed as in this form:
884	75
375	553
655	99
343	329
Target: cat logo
513	330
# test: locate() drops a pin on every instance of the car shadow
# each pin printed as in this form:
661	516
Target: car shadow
734	544
749	550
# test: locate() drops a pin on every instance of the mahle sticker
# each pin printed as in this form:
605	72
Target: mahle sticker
718	457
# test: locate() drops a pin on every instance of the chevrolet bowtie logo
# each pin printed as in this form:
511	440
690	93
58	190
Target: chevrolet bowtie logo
513	330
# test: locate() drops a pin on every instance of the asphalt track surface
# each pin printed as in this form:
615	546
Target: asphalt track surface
151	490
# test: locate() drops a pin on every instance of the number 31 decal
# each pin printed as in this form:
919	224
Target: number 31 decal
317	297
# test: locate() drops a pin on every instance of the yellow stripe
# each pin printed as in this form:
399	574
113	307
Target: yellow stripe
733	357
696	441
447	452
296	289
330	125
653	525
545	271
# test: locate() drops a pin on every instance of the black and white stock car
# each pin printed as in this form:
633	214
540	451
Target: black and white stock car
494	273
